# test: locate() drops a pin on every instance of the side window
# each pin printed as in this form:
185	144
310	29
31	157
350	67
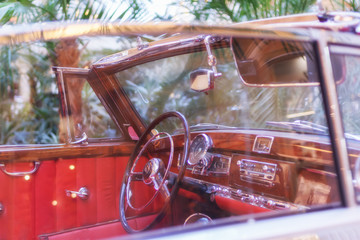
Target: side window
345	64
95	118
28	98
85	114
30	108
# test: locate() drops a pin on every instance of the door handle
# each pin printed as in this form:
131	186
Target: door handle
20	174
83	193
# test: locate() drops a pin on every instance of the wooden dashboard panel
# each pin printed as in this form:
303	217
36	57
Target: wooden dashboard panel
305	172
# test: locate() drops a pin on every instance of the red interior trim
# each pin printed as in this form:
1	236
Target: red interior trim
190	195
99	231
237	207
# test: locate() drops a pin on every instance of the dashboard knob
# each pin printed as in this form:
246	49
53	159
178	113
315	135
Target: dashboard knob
203	162
270	203
248	198
261	201
226	192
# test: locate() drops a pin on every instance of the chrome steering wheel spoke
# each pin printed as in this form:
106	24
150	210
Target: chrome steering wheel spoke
136	176
154	173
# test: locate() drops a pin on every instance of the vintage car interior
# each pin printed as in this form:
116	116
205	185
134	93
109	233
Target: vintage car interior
212	125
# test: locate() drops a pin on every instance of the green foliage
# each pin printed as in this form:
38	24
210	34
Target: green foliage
26	11
24	122
22	11
7	72
241	10
342	5
37	120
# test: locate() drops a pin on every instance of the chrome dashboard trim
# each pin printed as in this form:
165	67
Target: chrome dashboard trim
243	196
215	158
262	144
207	141
257	171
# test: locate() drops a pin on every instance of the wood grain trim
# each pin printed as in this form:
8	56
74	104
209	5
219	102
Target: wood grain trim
38	153
310	150
156	51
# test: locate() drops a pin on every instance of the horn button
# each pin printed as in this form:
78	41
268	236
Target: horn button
153	172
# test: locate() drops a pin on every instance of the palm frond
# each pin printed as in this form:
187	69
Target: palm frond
23	11
241	10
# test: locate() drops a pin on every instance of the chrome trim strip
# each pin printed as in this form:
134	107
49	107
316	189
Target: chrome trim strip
61	85
244	196
335	122
339	49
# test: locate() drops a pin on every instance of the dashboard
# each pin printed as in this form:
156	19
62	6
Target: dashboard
247	172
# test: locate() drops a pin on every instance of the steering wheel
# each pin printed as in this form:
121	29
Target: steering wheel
154	172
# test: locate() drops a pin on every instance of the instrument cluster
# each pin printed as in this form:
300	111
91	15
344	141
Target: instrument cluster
203	161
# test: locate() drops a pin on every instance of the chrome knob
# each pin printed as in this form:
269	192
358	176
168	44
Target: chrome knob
226	192
83	193
248	198
1	208
270	203
260	201
153	172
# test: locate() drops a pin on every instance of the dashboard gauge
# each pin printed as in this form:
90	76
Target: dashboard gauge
198	149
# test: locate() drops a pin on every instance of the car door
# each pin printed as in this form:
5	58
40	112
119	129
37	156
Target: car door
67	178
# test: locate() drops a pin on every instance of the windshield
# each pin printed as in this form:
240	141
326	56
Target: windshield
259	135
164	85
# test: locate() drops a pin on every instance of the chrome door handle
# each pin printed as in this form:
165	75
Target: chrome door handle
83	193
20	174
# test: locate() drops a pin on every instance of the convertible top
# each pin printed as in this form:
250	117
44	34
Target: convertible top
12	34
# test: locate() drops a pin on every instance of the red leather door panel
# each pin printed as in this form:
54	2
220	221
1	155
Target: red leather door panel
45	198
66	206
40	205
86	177
106	183
17	197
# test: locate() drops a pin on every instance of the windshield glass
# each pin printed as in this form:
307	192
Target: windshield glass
164	85
259	135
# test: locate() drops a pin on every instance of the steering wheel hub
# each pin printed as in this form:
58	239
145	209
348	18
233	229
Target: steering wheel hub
153	171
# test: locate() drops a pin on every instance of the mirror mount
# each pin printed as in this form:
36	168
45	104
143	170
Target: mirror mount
212	61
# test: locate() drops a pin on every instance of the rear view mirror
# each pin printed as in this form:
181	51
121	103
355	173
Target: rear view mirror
202	80
275	63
